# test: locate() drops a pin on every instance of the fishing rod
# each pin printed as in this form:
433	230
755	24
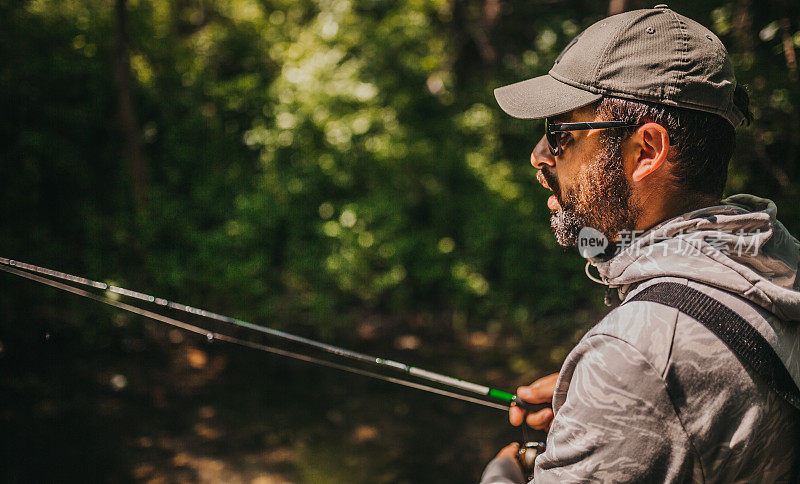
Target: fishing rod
493	397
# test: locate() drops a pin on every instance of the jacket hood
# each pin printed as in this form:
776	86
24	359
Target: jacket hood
738	246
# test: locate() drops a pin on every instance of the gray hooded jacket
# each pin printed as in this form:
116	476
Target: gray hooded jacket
649	394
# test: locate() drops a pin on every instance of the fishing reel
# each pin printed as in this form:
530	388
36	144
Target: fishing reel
526	456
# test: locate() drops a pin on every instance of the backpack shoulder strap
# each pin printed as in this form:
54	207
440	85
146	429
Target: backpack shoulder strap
743	339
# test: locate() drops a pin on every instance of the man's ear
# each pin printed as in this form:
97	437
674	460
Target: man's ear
648	148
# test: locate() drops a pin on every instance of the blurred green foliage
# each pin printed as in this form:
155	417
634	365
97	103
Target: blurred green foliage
321	157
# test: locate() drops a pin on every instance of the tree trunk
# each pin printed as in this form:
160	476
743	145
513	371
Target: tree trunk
617	6
788	48
745	37
126	114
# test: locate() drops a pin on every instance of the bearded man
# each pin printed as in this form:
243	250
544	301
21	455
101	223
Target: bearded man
640	113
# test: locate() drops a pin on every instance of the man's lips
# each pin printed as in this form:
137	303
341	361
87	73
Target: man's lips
552	202
542	180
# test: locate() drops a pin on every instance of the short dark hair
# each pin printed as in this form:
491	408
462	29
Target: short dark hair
703	141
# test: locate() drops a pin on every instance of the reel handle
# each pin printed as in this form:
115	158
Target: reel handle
530	407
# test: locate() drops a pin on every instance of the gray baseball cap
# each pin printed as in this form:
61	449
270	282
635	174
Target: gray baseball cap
652	55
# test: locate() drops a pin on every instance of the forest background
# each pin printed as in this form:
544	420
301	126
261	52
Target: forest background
335	168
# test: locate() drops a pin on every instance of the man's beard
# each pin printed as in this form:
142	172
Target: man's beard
602	199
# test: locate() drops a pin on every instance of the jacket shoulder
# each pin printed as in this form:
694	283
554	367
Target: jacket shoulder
648	327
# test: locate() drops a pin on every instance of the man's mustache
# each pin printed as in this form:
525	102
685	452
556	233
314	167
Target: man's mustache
552	182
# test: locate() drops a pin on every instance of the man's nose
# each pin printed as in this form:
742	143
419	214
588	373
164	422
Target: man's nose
541	154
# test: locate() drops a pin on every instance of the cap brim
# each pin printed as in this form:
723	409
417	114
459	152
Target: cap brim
542	97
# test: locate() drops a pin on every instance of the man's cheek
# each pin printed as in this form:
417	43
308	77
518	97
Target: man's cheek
571	195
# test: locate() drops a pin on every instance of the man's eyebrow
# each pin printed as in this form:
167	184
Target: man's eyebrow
571	116
564	117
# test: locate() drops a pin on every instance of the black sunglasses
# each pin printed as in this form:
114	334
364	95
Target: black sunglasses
554	131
